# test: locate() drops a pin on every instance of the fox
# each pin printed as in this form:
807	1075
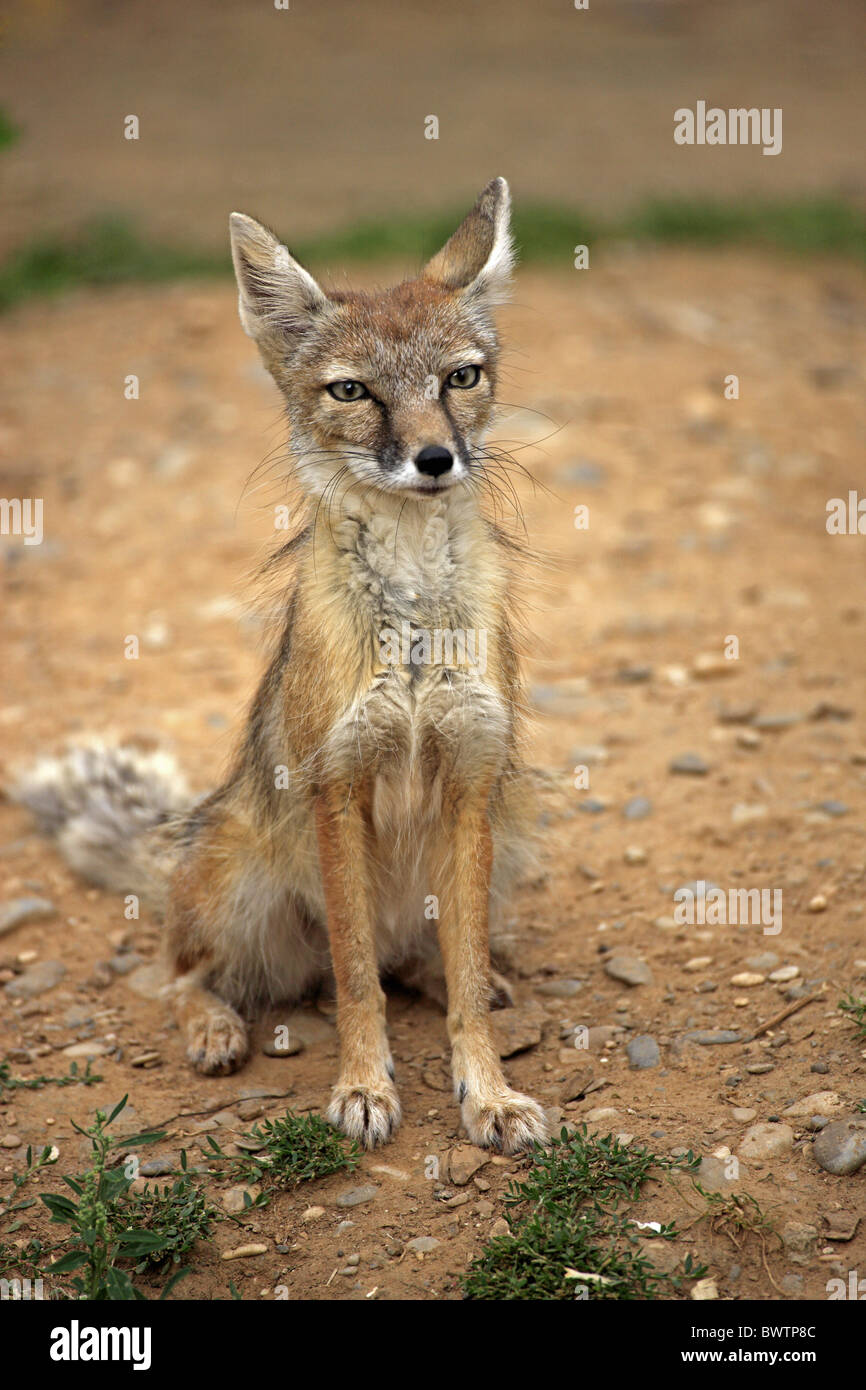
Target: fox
377	810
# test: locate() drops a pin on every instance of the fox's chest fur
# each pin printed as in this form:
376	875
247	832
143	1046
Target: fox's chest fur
418	598
411	731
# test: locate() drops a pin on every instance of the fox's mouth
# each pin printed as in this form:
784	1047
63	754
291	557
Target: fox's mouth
427	489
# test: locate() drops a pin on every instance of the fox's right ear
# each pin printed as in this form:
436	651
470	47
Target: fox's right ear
277	296
476	262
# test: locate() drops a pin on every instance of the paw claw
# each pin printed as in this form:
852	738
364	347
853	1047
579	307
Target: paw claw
368	1114
217	1043
508	1122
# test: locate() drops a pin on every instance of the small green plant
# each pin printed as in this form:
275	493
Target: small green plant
47	1157
566	1232
24	1263
294	1149
8	1082
855	1009
96	1244
178	1214
109	1225
113	1232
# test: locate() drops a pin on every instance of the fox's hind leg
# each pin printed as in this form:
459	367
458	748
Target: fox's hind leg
216	1036
237	937
424	971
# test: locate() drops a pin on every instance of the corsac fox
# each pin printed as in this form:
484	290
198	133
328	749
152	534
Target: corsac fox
376	811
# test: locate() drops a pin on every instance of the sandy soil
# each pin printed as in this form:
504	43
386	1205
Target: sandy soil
706	522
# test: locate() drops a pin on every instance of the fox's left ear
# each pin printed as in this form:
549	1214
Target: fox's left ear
276	296
478	259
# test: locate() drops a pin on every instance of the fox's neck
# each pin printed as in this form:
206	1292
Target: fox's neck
408	559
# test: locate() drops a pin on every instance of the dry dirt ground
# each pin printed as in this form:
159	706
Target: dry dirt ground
706	522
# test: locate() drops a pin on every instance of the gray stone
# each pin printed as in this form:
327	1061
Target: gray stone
464	1162
718	1174
148	980
125	963
773	723
575	1085
422	1245
638	808
799	1240
766	1141
841	1147
689	765
235	1200
22	910
712	1037
516	1030
38	979
559	989
842	1225
643	1052
355	1196
90	1048
159	1167
818	1103
628	968
767	960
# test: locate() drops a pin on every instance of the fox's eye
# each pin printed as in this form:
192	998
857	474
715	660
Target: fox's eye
464	377
348	390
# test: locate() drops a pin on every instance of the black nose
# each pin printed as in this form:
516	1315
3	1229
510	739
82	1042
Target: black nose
434	460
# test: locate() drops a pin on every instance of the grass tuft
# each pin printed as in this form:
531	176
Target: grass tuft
294	1149
568	1237
854	1008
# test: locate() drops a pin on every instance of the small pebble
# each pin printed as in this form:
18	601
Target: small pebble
689	765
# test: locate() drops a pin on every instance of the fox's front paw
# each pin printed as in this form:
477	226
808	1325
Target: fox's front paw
217	1042
369	1114
507	1121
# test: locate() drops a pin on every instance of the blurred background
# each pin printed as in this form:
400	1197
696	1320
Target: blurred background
312	118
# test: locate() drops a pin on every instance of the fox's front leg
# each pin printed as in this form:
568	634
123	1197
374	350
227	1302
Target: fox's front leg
364	1103
494	1115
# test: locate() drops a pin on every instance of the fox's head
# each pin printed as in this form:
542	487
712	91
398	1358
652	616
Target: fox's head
397	387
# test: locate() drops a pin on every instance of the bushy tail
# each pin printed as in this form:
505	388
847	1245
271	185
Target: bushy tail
114	811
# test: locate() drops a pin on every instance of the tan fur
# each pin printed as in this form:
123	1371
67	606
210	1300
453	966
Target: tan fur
402	781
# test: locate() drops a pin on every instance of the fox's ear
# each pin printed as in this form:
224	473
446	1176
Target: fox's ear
477	260
276	295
